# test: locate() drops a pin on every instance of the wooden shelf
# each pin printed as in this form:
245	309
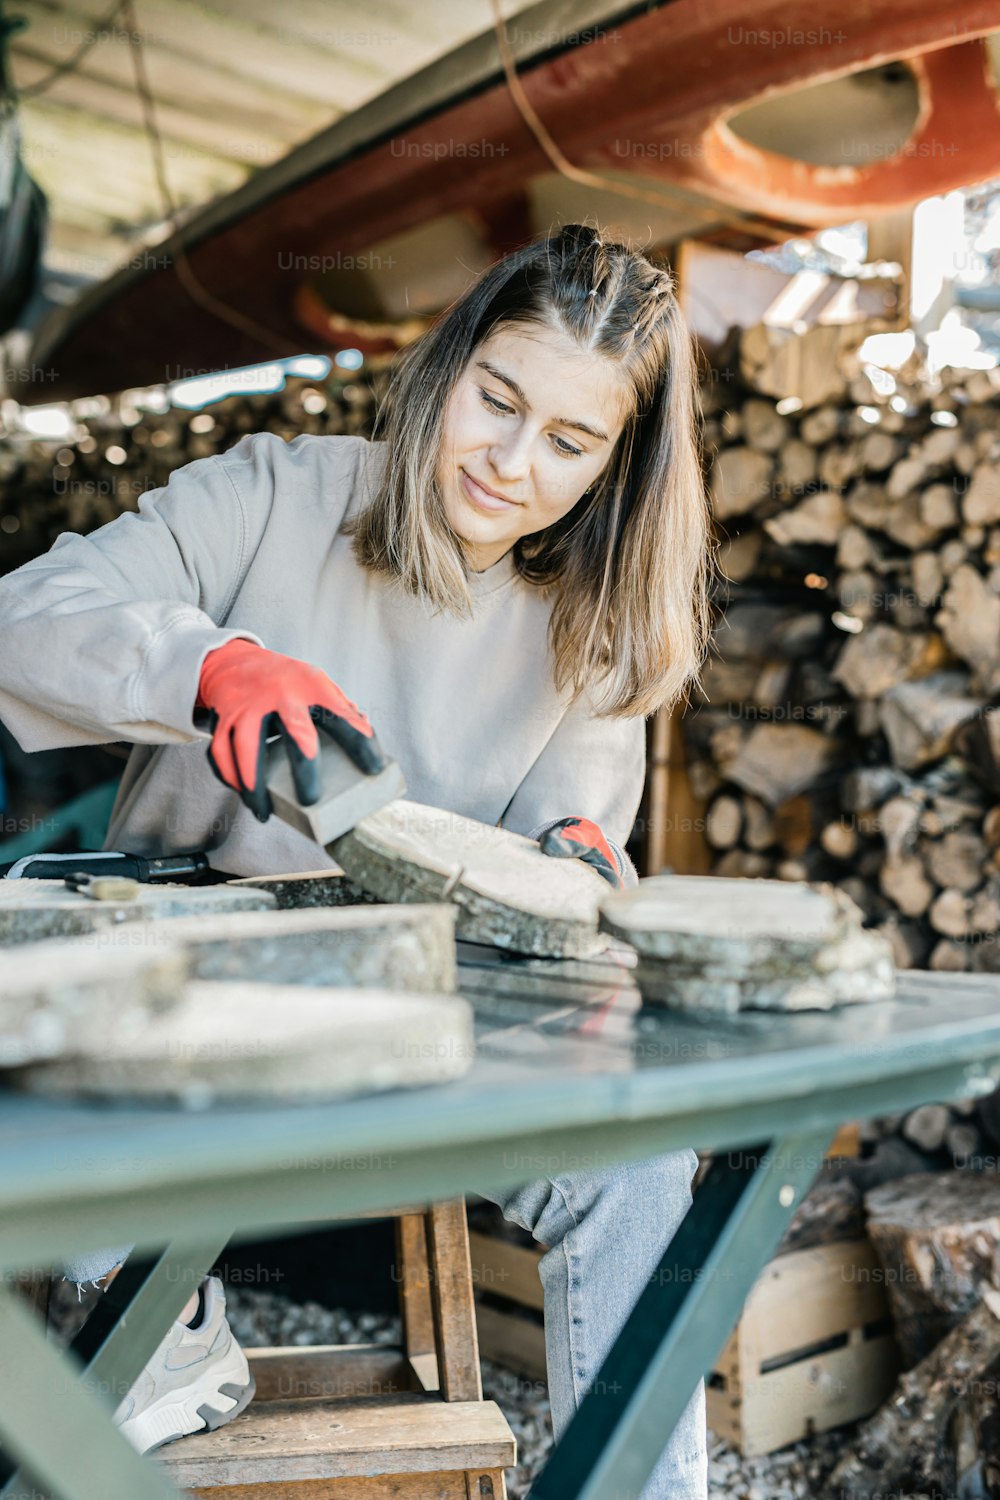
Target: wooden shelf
281	1440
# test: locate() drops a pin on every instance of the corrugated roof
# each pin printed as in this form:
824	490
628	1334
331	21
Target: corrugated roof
236	86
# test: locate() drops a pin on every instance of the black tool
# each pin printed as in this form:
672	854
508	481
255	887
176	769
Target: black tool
107	862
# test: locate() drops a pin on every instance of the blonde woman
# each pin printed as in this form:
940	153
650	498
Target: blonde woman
505	582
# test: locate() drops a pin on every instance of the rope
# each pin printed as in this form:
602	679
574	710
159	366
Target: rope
195	289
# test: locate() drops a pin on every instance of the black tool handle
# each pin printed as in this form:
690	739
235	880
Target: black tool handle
106	862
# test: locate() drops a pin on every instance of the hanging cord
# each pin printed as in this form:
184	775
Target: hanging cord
41	85
195	289
587	178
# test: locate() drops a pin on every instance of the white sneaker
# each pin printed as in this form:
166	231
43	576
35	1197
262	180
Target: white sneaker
197	1380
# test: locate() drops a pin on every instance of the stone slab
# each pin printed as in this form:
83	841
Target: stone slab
505	891
309	888
33	910
58	996
346	796
385	947
285	1043
708	942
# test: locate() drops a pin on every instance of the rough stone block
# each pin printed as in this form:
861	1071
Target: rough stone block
286	1043
33	910
56	997
707	942
505	890
311	888
385	947
346	794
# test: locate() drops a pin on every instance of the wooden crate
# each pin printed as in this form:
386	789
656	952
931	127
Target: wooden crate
814	1346
508	1303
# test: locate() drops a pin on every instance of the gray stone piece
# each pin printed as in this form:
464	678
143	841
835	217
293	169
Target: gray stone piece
285	1043
347	794
707	942
506	892
310	888
33	910
58	996
382	947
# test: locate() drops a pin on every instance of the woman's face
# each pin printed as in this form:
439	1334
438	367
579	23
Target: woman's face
530	425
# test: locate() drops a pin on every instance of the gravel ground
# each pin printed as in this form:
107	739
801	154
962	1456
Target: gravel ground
266	1318
260	1317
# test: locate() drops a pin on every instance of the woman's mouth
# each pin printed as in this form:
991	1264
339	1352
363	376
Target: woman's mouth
482	499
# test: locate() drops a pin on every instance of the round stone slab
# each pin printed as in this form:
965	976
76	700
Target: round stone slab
32	910
505	890
56	997
382	947
307	888
727	944
286	1043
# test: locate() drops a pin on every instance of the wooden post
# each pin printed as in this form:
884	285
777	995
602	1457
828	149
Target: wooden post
675	830
451	1295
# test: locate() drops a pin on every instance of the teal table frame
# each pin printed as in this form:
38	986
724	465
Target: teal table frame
569	1070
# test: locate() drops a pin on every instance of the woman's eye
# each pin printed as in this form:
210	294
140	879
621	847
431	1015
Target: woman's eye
567	449
493	403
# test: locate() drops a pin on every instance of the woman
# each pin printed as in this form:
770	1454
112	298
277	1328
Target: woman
509	579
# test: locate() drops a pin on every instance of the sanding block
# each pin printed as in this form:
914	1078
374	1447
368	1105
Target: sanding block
348	794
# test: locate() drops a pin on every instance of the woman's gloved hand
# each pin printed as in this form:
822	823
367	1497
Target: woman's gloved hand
578	838
252	693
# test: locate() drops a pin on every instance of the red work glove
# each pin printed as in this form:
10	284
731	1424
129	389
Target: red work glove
252	693
580	839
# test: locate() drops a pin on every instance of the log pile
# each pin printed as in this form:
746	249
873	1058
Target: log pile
848	727
119	450
936	1237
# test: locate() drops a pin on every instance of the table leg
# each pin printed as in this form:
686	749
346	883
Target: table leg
682	1320
53	1413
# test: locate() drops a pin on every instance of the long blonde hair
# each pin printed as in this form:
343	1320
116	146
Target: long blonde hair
630	566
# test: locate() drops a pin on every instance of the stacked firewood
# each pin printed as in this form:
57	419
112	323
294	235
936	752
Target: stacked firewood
117	451
848	727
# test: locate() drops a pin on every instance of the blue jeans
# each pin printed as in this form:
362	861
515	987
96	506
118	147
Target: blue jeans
606	1231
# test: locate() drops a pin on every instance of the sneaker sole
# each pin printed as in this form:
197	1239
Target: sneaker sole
186	1412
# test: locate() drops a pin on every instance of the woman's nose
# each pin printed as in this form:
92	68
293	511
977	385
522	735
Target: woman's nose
510	458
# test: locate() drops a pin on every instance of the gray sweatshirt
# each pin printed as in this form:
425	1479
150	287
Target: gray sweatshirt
104	635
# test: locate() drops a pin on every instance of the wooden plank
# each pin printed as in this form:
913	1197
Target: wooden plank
488	1485
415	1307
329	1371
516	1342
485	1486
810	1295
452	1300
506	1269
442	1486
681	844
657	793
278	1442
425	1371
816	1394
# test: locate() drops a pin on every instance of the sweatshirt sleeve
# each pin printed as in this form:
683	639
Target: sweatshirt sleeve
104	635
589	768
